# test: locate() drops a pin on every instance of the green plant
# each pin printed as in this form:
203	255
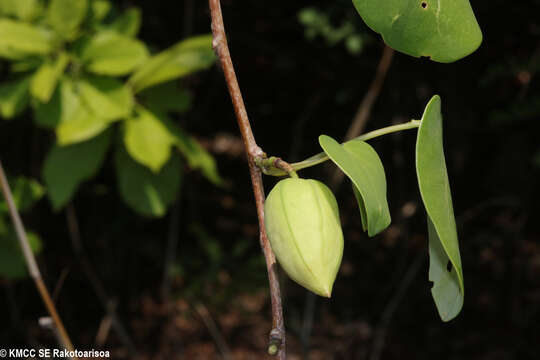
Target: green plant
440	30
78	66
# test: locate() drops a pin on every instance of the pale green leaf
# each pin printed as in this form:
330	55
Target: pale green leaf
99	9
110	53
46	78
146	192
359	161
26	192
19	40
25	10
148	140
66	167
184	58
65	16
13	97
128	23
107	98
443	30
448	288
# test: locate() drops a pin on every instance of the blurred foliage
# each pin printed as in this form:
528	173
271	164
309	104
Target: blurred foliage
78	66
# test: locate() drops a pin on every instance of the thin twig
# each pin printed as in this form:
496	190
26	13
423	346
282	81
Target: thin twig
364	110
214	331
93	278
253	152
31	263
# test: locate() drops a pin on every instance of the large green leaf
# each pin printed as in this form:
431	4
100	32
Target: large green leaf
66	167
148	140
13	97
12	263
18	40
106	97
148	193
22	9
110	53
444	30
186	57
46	78
65	16
359	161
448	288
128	23
26	192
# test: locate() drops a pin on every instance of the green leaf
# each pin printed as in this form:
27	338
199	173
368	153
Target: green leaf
184	58
106	97
46	78
65	16
128	23
66	167
359	161
148	140
167	97
99	9
14	97
26	192
25	10
448	288
110	53
148	193
19	40
67	112
12	263
444	30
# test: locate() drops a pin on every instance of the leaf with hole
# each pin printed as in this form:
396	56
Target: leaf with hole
148	193
443	30
360	162
66	167
448	288
184	58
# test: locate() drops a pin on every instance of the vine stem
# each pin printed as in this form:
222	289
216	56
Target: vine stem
31	262
254	153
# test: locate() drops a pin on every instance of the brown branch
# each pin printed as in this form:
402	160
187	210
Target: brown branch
364	109
31	263
253	152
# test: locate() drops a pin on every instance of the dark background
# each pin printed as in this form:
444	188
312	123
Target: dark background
294	91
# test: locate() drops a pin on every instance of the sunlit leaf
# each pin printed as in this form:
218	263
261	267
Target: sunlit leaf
66	167
448	288
65	16
22	9
184	58
148	140
444	30
106	97
166	97
13	97
128	23
99	9
18	40
26	192
110	53
146	192
359	161
46	78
